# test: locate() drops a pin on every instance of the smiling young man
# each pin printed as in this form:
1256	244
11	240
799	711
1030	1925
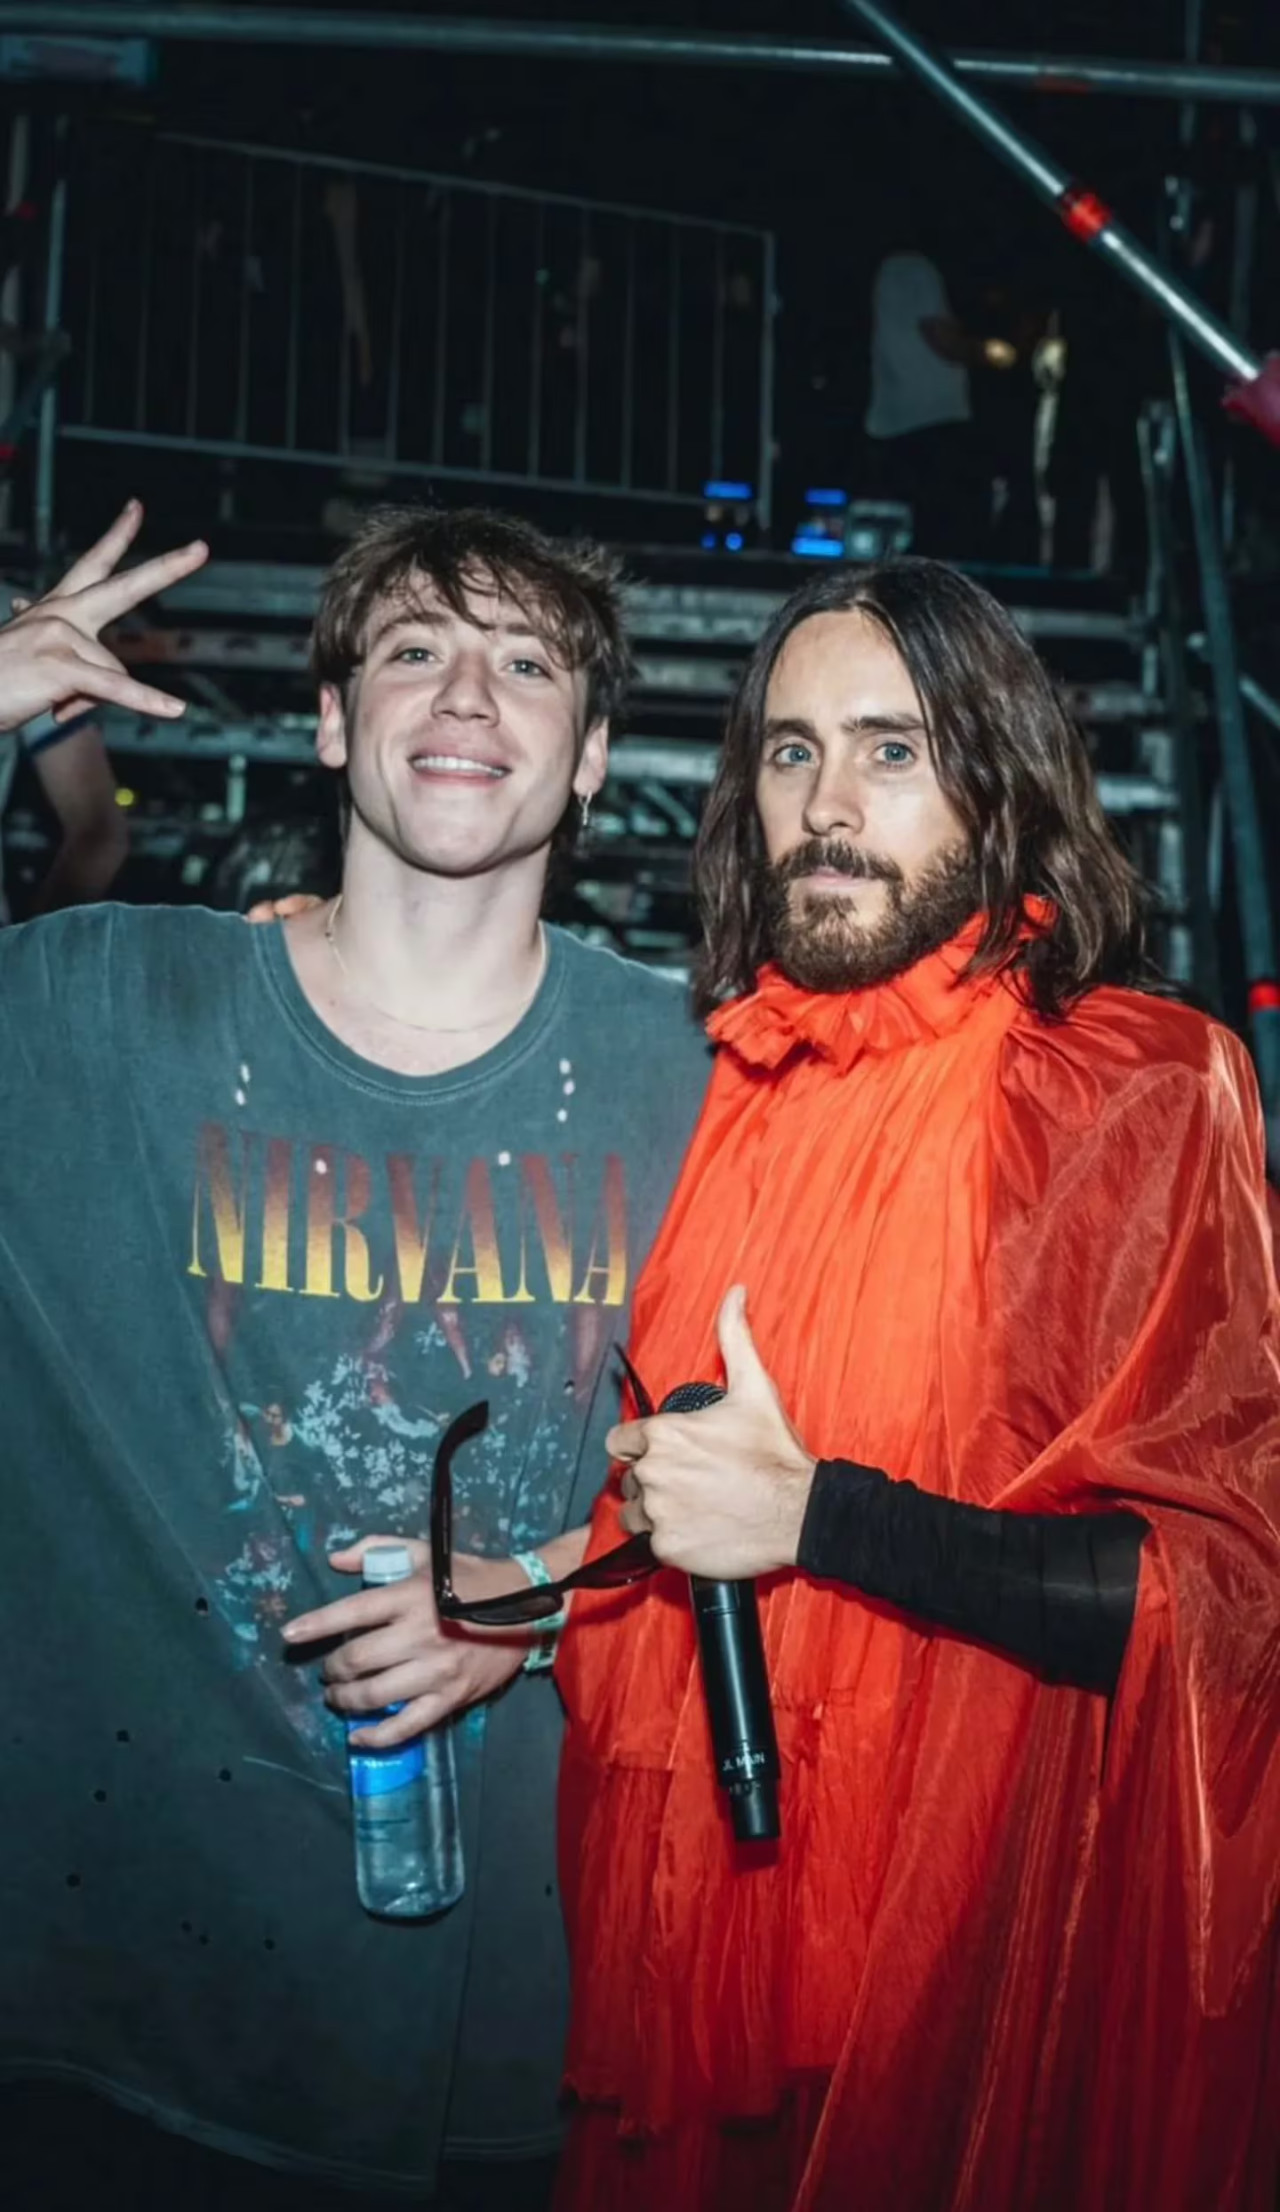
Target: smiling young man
275	1205
1007	1464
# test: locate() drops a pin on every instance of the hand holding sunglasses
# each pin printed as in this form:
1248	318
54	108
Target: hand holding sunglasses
627	1563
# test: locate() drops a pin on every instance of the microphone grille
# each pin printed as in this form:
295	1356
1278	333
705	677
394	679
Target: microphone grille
691	1397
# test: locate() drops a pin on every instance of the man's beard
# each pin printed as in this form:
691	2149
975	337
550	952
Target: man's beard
821	945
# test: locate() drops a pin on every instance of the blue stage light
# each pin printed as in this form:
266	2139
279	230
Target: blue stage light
817	549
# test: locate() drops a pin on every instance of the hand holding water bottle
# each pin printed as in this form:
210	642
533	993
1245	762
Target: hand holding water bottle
410	1674
396	1651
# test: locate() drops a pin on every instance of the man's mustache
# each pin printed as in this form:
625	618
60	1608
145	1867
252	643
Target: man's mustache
833	854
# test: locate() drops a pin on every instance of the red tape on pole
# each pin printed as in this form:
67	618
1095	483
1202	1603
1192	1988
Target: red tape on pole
1264	998
1083	212
1257	399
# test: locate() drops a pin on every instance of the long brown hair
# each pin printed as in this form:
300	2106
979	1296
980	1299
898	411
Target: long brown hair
1007	755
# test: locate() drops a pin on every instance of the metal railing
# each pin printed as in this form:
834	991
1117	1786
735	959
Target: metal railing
240	301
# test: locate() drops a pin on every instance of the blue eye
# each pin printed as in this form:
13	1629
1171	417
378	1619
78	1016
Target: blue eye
895	755
413	654
793	755
524	664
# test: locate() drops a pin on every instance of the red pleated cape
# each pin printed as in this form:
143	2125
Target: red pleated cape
1017	1949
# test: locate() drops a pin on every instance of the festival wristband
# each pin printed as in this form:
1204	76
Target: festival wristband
542	1650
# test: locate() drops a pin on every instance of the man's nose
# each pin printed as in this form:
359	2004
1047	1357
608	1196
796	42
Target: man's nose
466	689
834	804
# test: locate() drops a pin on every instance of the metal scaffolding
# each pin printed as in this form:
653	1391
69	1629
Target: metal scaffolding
658	773
1256	397
1086	216
405	33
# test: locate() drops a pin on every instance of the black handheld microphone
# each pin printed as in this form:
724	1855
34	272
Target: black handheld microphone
735	1681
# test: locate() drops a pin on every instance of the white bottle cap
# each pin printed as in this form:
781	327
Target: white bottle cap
386	1563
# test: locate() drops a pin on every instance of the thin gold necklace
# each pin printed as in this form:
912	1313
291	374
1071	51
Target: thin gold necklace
433	1029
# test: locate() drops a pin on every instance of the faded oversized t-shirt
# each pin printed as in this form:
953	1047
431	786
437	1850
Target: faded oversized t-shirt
246	1278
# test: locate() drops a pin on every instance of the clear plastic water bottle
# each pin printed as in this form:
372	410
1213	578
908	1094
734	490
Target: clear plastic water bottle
408	1832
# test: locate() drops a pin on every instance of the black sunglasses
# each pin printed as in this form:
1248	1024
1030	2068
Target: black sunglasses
627	1563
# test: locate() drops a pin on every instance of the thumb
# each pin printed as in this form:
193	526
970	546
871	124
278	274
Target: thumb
350	1560
745	1373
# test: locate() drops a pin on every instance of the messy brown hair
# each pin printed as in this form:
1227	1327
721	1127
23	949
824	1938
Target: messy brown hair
1006	753
569	591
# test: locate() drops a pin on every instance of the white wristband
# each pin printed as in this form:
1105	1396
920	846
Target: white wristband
542	1650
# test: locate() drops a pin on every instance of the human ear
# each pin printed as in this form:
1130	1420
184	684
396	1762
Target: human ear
331	728
593	761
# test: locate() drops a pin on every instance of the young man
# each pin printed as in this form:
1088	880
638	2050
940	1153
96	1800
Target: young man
277	1204
1007	1462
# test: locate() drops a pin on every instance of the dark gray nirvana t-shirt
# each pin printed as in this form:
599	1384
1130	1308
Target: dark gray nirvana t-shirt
246	1278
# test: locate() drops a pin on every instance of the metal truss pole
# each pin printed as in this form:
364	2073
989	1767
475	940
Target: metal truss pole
1158	448
55	258
11	298
1254	393
1253	897
768	368
279	26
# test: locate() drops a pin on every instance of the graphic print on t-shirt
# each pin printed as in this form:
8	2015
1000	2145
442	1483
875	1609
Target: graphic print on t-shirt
446	1280
200	1391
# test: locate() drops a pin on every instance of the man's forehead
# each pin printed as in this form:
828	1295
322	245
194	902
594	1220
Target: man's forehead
484	605
837	641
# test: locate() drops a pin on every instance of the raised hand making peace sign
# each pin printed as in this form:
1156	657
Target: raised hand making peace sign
50	654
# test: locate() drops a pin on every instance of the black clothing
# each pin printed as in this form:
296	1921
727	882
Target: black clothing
1054	1589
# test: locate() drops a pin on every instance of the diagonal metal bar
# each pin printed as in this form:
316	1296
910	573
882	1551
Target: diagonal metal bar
1082	213
1254	392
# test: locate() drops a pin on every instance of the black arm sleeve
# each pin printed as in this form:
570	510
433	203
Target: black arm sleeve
1056	1590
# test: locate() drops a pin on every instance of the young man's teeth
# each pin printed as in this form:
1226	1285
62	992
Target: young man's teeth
455	763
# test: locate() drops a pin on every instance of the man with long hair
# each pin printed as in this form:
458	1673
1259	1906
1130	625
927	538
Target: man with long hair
1000	1440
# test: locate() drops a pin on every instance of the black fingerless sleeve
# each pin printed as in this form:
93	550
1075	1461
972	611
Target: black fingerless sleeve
1056	1590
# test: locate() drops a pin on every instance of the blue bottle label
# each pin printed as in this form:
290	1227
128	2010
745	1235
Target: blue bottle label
378	1773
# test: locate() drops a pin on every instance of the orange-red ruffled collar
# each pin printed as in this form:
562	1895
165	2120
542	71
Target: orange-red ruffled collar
780	1017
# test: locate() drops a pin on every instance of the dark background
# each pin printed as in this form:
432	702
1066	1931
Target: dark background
842	167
